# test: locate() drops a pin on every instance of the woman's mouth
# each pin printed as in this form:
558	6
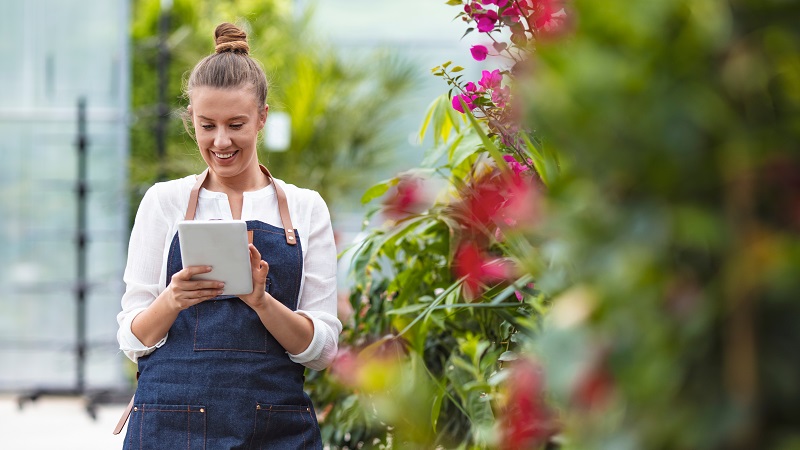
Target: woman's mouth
225	155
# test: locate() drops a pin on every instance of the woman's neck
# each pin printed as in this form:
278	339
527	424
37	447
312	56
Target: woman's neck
252	179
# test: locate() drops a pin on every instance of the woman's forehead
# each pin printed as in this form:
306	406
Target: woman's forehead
209	100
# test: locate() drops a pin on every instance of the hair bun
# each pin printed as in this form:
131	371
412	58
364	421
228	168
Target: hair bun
230	38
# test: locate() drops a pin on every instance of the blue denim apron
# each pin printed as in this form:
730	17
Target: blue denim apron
221	380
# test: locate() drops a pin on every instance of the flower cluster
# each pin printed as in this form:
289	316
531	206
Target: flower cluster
525	19
490	206
489	86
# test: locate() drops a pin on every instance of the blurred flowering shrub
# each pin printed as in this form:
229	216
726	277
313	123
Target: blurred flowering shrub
613	260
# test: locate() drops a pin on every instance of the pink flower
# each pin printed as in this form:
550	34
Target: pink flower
548	17
499	3
500	96
405	199
491	80
470	87
468	99
345	367
479	52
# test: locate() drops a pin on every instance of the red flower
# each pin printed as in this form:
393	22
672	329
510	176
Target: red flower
478	268
594	385
526	420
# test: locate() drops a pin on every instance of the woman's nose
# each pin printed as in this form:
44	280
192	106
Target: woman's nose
221	139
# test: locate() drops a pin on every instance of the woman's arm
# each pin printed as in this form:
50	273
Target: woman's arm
309	334
152	324
148	310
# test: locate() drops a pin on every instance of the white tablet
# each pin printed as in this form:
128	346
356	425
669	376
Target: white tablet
221	244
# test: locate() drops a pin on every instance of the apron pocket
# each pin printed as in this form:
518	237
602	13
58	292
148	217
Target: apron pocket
229	325
284	427
154	426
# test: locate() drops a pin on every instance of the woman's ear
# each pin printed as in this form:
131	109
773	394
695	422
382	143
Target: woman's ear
262	117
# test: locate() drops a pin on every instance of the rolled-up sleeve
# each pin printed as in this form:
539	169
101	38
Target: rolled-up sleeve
142	272
318	299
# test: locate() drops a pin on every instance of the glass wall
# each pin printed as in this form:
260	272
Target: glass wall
53	53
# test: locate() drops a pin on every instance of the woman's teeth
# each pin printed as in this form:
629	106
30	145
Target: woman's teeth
224	155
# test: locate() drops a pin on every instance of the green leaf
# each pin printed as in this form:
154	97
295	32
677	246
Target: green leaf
378	190
435	409
546	164
456	69
508	356
465	145
407	309
494	152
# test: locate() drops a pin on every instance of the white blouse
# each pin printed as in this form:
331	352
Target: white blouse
164	205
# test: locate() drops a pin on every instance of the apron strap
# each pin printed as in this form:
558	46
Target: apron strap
283	205
125	413
124	418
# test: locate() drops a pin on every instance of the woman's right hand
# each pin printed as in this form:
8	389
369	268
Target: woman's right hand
185	292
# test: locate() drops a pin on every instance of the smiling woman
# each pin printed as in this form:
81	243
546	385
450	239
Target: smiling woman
227	122
222	371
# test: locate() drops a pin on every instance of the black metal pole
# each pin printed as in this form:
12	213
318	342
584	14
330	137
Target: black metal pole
81	244
162	70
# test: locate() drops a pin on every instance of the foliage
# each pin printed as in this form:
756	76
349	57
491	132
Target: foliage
339	106
679	119
443	292
654	207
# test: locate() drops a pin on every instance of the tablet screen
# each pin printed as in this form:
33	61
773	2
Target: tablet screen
221	244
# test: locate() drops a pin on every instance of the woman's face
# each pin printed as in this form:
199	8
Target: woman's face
226	124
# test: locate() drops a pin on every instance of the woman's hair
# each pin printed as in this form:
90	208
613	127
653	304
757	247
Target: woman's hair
230	66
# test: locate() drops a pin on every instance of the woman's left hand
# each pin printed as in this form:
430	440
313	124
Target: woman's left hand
258	298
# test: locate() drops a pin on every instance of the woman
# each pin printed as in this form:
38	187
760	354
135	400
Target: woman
226	372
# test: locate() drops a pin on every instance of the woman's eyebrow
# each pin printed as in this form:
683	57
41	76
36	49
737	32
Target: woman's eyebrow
240	116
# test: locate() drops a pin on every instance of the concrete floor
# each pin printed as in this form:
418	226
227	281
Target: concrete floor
57	423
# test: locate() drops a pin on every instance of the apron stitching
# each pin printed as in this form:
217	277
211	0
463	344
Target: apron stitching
141	427
188	428
255	427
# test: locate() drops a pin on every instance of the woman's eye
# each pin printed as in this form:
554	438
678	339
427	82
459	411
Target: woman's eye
207	127
236	126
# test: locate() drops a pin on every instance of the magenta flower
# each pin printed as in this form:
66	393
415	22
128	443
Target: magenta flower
516	167
479	52
470	87
513	12
486	20
485	24
491	80
468	99
499	3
